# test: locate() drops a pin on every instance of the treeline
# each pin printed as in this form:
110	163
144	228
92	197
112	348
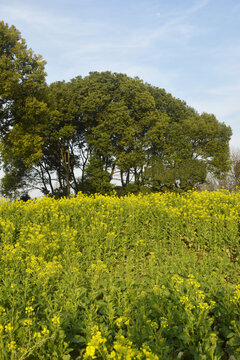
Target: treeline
99	132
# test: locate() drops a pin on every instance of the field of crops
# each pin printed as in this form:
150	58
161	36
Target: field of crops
139	277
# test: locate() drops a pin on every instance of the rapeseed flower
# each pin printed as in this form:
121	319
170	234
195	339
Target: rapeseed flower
9	328
56	320
12	345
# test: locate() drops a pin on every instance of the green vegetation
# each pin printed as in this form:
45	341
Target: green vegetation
143	277
89	133
137	277
22	106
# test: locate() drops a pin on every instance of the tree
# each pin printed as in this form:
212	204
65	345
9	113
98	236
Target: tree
62	133
23	110
120	114
90	132
235	170
232	179
149	137
194	146
65	150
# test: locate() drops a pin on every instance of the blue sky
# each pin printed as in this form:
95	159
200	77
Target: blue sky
189	47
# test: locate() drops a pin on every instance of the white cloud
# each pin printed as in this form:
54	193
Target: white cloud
37	18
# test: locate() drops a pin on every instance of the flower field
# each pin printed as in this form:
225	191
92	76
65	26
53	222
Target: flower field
138	277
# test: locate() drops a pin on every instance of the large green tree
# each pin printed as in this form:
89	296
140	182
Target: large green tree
89	133
64	139
194	146
121	118
149	137
23	110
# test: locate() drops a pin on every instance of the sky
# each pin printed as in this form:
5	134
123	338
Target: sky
191	48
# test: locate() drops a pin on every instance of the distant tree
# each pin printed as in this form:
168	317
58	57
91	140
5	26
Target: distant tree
232	179
236	169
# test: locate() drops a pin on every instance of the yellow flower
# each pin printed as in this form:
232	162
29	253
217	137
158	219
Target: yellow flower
203	306
192	281
90	351
12	345
236	295
29	309
45	331
200	294
119	321
37	335
22	350
177	279
164	322
154	325
27	322
56	320
186	302
113	355
2	310
122	320
9	328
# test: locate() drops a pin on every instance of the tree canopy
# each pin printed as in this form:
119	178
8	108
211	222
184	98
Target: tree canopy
22	106
94	133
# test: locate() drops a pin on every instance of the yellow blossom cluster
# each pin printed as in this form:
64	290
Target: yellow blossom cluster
236	295
130	264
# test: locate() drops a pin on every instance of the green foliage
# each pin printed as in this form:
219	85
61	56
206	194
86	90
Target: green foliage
22	107
97	178
22	80
106	123
184	175
194	145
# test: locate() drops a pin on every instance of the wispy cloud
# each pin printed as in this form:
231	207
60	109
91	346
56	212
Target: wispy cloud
33	16
196	7
181	11
67	30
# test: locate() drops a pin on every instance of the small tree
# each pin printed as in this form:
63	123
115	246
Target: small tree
232	180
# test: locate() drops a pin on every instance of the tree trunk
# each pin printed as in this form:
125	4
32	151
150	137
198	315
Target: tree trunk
66	165
122	180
